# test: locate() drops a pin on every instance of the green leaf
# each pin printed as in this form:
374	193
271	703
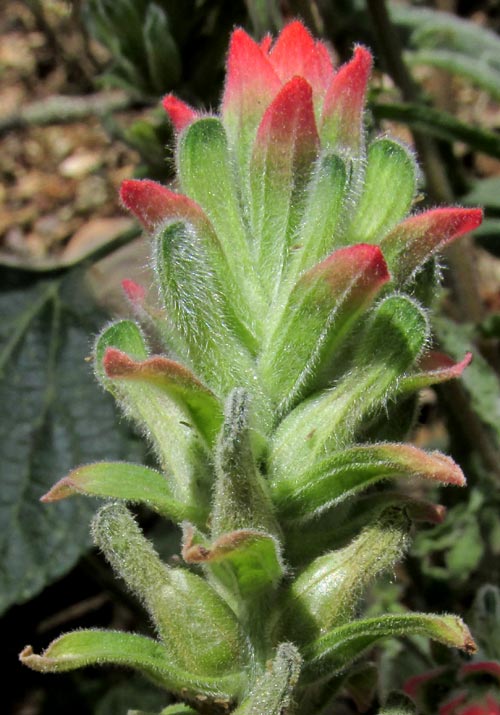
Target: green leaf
54	416
241	496
131	482
177	709
398	704
211	183
193	296
322	226
176	382
200	633
282	160
341	646
337	528
441	125
345	472
273	692
459	46
394	336
326	593
182	453
98	647
381	207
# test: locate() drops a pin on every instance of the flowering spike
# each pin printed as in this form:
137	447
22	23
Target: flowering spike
415	240
272	265
180	114
341	124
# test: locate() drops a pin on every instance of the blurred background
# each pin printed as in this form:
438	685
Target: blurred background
80	90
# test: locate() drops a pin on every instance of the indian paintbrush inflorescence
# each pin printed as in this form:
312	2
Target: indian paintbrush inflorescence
295	280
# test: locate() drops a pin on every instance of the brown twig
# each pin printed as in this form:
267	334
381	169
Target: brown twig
61	109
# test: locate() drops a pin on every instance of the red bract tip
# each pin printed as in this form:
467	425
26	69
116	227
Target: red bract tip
412	686
251	82
180	113
484	667
296	53
116	363
341	121
134	292
289	120
362	258
442	366
153	203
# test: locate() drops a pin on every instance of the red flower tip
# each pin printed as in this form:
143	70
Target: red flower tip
180	113
450	707
484	667
443	366
362	256
151	203
345	99
412	685
146	200
296	53
116	363
134	292
289	120
251	82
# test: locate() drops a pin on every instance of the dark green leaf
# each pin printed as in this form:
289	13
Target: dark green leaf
54	417
440	125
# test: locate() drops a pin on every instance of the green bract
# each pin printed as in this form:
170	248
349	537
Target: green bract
293	344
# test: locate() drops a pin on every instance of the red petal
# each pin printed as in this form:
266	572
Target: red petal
180	113
362	258
296	53
153	203
484	667
251	82
342	114
450	707
412	685
289	121
442	366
